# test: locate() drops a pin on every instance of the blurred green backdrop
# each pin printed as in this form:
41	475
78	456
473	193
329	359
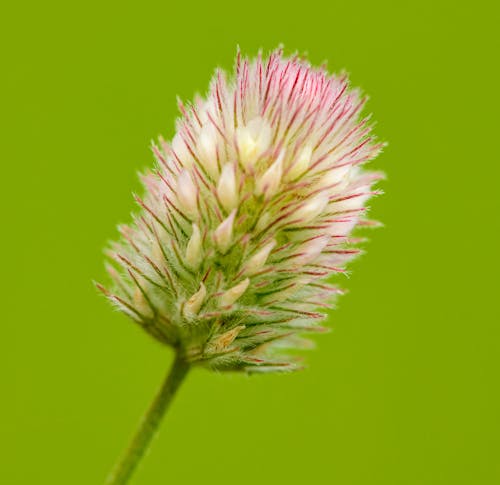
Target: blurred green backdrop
404	391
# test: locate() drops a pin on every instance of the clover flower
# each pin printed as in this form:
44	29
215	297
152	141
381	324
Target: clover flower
246	216
248	211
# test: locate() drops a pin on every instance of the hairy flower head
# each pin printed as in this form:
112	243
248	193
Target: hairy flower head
249	209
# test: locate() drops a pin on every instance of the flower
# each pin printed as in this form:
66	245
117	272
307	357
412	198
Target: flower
249	210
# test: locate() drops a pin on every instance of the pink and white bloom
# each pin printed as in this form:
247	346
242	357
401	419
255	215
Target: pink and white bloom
249	209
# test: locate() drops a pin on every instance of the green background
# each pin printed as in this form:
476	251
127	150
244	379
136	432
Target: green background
404	391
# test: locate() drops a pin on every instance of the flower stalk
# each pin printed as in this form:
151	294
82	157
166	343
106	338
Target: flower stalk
149	424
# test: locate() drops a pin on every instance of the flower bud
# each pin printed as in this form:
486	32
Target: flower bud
310	250
187	194
342	227
311	208
263	221
223	235
193	249
218	344
193	305
352	201
231	295
141	304
253	139
336	178
300	165
269	182
181	151
208	149
257	261
226	188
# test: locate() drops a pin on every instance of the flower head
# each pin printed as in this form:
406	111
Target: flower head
249	210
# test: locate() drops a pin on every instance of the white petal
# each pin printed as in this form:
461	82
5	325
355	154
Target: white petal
226	188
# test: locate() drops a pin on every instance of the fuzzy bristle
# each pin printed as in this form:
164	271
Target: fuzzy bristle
249	210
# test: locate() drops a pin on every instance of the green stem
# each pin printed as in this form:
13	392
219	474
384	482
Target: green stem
149	424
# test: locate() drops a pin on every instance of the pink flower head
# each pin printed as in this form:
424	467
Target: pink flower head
249	210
